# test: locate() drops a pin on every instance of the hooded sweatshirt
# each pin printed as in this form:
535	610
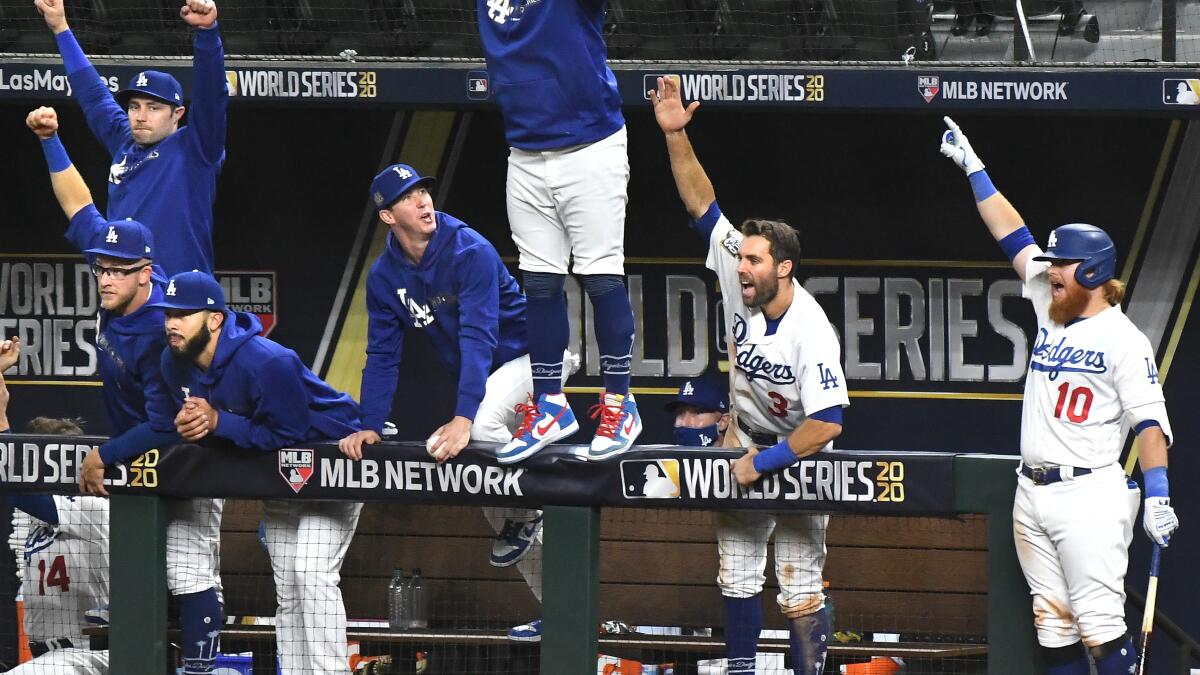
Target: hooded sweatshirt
461	295
267	399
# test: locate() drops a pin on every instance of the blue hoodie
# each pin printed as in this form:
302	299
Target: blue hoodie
549	70
266	396
461	295
169	186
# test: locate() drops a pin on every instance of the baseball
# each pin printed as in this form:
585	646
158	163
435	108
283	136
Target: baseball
433	440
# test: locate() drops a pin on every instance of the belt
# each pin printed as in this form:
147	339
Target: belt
1048	475
39	648
759	438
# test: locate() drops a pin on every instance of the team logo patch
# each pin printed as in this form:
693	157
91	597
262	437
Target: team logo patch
929	86
253	292
732	242
478	87
1181	92
650	478
296	467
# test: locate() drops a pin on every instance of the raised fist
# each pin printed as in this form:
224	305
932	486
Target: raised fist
43	121
197	13
54	13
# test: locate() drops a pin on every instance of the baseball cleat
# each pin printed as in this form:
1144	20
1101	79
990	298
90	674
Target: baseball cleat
516	539
542	423
97	616
526	632
619	427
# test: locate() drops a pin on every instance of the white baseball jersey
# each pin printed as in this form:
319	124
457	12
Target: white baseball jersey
785	376
66	569
1085	383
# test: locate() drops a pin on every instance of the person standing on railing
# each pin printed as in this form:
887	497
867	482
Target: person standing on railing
162	175
568	170
65	560
130	342
228	381
788	393
1092	376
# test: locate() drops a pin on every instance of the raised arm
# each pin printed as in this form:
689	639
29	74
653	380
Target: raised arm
69	188
1002	220
695	189
210	95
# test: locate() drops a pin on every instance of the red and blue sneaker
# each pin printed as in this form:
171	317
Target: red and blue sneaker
548	420
619	426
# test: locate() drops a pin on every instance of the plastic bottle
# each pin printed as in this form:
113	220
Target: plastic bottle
396	598
419	618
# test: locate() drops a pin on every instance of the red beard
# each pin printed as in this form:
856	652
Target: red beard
1070	304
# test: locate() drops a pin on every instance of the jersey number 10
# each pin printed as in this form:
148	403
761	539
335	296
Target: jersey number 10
1077	405
57	577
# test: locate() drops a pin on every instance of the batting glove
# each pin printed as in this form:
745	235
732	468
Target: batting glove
956	146
1159	519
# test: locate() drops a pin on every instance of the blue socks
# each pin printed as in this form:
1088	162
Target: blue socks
1119	661
613	322
743	623
200	618
810	639
1069	660
548	329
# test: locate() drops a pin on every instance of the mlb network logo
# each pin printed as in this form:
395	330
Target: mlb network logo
650	83
929	86
650	478
296	467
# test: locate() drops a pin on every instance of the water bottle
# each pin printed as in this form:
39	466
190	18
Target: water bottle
396	598
419	617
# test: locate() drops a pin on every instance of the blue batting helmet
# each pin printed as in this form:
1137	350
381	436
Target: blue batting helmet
1089	245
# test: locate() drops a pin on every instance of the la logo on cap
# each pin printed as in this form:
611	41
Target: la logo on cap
142	80
112	235
171	288
211	301
688	389
1053	240
402	172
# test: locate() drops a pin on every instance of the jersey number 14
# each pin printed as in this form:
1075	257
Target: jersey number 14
56	577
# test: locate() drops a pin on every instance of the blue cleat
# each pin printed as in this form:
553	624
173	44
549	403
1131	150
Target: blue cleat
548	420
516	538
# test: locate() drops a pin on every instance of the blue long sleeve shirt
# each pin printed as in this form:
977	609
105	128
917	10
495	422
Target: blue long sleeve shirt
461	295
266	397
169	186
549	71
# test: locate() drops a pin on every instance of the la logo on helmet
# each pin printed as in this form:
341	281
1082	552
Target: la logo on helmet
1053	239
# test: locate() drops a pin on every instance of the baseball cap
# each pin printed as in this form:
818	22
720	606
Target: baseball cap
394	181
126	239
193	290
700	392
155	84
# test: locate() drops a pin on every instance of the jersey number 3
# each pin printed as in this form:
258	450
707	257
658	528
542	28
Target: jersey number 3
1077	405
56	577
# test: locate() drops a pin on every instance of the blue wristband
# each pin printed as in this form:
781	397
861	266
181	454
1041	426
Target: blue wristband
72	54
1016	241
56	154
981	185
1156	482
774	458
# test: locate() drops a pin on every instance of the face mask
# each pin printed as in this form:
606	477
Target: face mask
702	437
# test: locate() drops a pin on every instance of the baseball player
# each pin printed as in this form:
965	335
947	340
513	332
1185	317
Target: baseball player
161	175
66	561
439	276
228	381
1091	376
129	344
788	393
568	169
701	410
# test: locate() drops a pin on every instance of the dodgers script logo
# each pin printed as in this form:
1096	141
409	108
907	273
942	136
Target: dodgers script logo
296	467
755	365
40	538
1061	357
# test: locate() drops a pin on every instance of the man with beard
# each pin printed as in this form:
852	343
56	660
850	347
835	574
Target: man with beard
130	342
1091	373
230	382
787	393
162	175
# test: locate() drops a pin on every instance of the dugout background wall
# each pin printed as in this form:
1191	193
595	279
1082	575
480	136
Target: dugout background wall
870	192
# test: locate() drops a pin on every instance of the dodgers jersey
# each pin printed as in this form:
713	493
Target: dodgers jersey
169	186
783	376
1084	384
549	71
66	570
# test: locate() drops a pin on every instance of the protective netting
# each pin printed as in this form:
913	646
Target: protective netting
986	31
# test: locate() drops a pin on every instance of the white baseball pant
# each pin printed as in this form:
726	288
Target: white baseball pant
72	661
194	545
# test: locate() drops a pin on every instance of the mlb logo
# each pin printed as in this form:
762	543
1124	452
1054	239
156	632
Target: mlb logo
1181	92
929	85
650	83
650	478
231	82
478	87
296	467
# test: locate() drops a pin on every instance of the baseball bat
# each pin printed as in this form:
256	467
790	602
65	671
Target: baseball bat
1148	615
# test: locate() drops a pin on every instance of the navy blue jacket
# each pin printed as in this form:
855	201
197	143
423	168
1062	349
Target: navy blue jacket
549	71
266	397
461	295
169	186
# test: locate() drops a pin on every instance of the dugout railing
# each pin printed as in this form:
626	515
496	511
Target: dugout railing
572	493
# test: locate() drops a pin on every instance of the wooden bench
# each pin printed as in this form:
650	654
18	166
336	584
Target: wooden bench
924	578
